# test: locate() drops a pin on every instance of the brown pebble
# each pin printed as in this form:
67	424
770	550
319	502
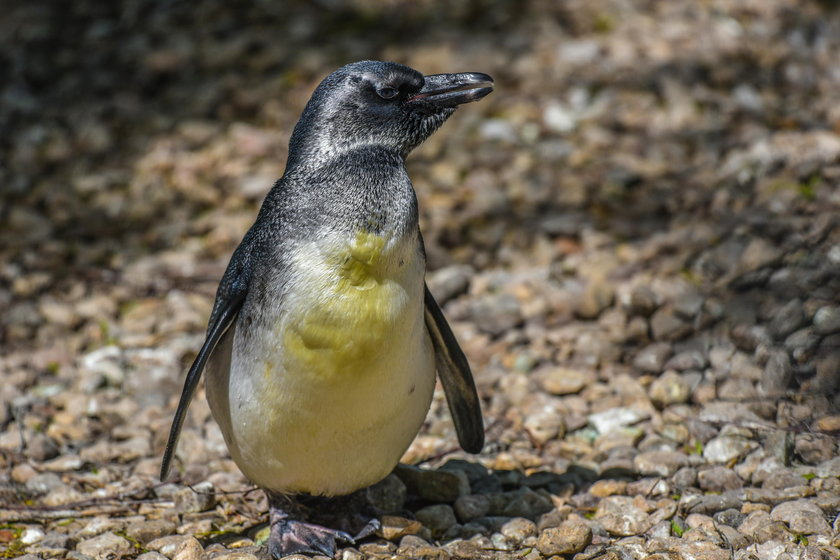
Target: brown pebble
572	536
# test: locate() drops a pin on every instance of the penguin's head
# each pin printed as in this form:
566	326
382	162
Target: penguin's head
380	103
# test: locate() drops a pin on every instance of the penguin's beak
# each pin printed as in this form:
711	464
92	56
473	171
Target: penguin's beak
449	90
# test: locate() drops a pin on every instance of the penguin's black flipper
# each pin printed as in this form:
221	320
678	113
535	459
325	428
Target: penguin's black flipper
225	313
456	378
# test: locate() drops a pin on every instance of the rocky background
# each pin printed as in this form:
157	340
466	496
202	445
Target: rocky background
636	239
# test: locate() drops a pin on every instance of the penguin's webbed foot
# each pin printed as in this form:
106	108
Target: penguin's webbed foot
288	537
291	536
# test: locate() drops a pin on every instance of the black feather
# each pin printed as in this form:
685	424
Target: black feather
456	378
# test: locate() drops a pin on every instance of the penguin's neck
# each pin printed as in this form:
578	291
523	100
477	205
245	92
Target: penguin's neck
318	149
358	191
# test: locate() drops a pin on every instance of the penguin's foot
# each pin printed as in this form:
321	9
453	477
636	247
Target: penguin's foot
291	536
288	537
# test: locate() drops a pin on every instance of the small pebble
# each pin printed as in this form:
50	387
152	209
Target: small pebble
571	537
200	497
105	545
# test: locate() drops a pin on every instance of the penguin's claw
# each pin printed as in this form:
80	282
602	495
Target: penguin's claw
373	525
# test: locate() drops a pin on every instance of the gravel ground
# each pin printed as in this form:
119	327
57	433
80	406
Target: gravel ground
636	239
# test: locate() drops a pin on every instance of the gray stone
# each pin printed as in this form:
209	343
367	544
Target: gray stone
815	448
544	424
748	337
246	553
627	436
643	301
145	531
488	484
636	331
167	545
778	373
730	517
801	344
777	547
829	468
412	546
786	510
753	522
473	549
518	529
648	487
787	318
435	485
99	525
738	389
388	495
189	549
687	359
731	536
598	294
437	518
471	507
562	381
449	282
375	549
40	448
700	521
525	503
496	314
571	537
711	503
651	358
725	413
827	319
659	530
665	324
200	497
31	535
775	496
620	516
688	303
510	479
55	541
745	367
44	483
660	463
725	448
104	546
475	471
152	555
809	523
718	479
782	478
685	477
669	388
614	418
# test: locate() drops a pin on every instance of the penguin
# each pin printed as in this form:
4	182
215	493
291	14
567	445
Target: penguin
324	339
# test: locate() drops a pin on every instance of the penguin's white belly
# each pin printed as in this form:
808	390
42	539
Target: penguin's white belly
331	384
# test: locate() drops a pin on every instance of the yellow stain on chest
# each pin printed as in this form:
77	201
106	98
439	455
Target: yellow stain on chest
355	303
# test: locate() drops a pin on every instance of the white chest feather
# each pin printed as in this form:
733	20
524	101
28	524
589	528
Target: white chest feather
337	382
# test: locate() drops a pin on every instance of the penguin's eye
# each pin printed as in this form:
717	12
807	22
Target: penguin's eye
386	92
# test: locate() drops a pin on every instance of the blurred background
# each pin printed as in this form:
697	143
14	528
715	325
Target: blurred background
643	216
